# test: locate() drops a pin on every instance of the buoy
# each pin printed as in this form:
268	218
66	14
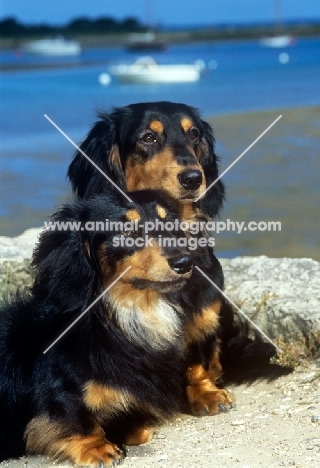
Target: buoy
104	79
284	58
213	64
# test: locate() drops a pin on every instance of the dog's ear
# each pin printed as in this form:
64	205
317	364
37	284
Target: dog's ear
102	148
65	270
212	201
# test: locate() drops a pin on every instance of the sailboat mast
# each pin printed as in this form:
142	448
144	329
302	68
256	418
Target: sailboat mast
149	14
277	5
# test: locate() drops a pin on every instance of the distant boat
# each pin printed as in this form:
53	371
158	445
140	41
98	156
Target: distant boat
139	42
53	46
278	39
146	71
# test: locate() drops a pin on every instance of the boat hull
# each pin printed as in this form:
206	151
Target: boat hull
161	74
277	42
54	47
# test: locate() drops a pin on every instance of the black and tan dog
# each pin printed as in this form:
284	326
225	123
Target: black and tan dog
158	146
161	146
167	146
124	367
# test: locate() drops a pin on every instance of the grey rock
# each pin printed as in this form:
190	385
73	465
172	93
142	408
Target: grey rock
15	254
316	418
19	248
281	295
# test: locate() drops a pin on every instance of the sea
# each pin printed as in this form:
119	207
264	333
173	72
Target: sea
239	77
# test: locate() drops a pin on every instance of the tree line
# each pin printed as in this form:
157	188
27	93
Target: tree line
10	27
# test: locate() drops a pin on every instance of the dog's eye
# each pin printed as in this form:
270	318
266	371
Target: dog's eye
193	133
149	138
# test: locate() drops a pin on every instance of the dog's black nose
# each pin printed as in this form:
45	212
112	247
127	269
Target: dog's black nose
191	179
181	264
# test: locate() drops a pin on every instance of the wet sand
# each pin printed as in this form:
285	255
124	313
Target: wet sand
274	424
277	179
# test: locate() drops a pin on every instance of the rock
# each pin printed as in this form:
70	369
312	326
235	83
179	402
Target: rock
237	422
281	295
19	248
14	275
316	418
15	254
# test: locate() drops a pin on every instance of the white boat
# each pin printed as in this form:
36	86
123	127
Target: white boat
278	39
281	41
145	70
144	42
53	46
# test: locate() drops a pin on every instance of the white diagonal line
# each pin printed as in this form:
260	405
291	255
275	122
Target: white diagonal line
236	160
88	308
239	310
86	156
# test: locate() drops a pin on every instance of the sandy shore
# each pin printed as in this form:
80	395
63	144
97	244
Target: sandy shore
274	424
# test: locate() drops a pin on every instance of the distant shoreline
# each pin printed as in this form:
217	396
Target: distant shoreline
207	34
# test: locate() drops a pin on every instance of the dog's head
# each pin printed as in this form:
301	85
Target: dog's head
158	146
92	242
107	243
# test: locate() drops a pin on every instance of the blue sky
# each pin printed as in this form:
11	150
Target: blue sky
166	12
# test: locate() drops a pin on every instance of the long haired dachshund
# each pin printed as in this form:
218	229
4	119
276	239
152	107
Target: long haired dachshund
159	146
123	368
167	146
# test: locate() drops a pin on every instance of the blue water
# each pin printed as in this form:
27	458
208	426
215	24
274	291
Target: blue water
247	77
34	156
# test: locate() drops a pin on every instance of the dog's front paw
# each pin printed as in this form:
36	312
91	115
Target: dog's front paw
206	399
91	451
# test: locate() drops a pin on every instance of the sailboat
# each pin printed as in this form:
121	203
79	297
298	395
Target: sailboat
146	41
277	40
140	42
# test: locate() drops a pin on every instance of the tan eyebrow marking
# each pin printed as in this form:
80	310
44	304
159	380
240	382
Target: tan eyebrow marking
133	215
162	212
156	126
186	123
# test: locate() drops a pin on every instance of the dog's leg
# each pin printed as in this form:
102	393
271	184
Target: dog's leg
203	395
204	369
140	435
58	441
